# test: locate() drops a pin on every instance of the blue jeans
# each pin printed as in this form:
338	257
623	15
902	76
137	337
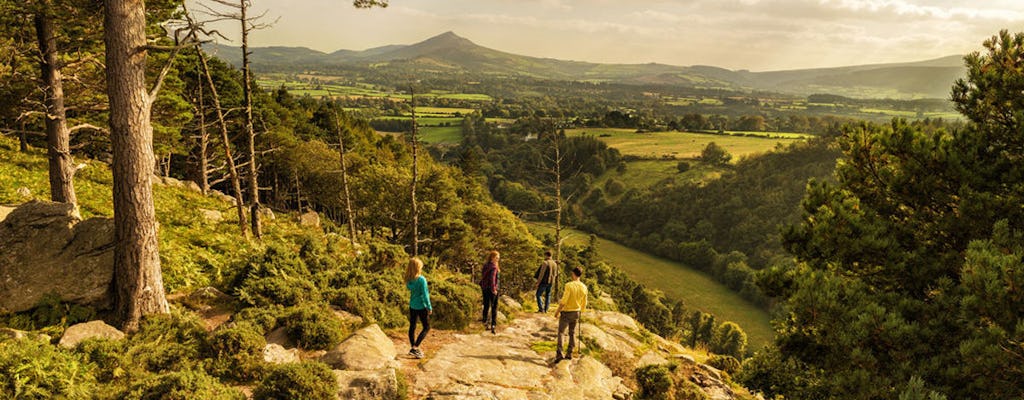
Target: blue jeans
544	289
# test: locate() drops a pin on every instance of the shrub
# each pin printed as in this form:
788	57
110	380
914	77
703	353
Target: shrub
313	327
683	166
277	276
261	319
655	382
167	342
30	369
182	385
729	364
456	304
237	353
308	380
614	187
687	390
105	354
730	340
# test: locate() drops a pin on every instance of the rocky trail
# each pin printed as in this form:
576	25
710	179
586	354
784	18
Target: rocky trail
504	365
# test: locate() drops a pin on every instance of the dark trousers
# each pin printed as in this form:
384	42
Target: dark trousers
570	320
422	316
545	290
491	305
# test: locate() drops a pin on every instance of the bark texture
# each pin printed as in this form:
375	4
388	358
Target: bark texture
62	169
138	284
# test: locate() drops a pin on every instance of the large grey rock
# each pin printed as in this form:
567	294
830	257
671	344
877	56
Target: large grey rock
276	354
24	192
511	303
266	213
367	349
190	185
89	330
310	219
359	385
212	216
45	248
19	335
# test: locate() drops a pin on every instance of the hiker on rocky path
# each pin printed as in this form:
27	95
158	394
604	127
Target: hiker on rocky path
419	304
489	287
545	276
570	308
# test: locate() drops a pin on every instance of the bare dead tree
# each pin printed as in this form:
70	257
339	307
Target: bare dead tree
236	182
344	176
415	211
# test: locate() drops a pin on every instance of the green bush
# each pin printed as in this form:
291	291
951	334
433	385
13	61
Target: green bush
169	342
687	390
313	327
183	385
308	381
377	297
236	353
277	276
30	369
261	319
655	382
456	303
729	364
105	354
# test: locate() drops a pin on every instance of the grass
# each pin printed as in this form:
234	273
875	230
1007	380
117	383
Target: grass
642	174
441	134
678	281
193	252
679	144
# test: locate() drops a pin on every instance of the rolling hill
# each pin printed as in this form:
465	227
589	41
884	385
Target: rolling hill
450	53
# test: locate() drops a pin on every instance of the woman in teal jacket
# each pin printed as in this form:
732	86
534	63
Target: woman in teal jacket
419	304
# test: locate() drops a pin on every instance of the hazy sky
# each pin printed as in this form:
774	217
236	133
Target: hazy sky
736	34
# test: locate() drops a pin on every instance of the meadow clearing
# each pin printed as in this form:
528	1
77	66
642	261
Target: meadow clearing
695	288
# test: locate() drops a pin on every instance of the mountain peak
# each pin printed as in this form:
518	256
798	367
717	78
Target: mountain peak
446	39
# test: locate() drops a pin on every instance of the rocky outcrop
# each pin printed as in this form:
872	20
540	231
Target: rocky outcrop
310	219
5	211
367	349
89	330
276	354
379	384
46	248
506	366
211	216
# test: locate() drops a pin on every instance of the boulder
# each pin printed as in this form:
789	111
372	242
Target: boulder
510	303
266	213
310	219
212	216
276	354
346	317
650	358
4	211
23	192
367	349
45	248
607	341
190	185
358	385
89	330
19	335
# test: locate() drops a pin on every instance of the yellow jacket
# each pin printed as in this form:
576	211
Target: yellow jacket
574	298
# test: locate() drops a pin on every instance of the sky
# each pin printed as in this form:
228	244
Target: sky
758	35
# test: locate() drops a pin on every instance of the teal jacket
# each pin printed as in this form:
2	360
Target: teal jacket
419	296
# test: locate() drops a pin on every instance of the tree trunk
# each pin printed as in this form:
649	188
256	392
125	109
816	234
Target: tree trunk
62	170
23	139
254	188
558	210
204	143
137	282
236	181
415	211
344	182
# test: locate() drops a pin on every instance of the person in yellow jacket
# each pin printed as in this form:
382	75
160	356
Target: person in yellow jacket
570	308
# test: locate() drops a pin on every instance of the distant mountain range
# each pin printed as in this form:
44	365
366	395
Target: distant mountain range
449	52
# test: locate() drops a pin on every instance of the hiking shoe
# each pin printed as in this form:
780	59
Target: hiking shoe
492	329
418	354
412	352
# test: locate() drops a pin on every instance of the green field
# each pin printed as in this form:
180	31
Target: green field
441	134
642	174
678	281
683	144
